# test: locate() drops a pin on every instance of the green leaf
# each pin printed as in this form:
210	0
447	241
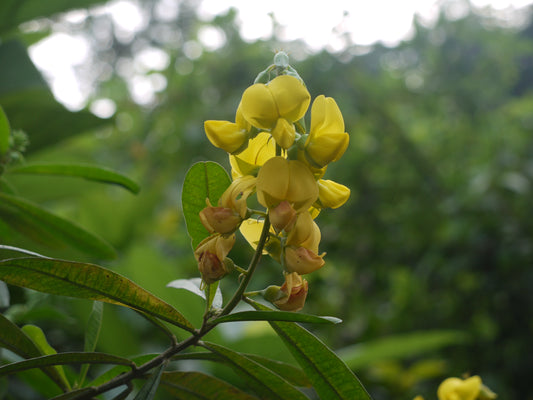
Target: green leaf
62	359
37	335
149	389
19	250
14	339
87	281
399	346
90	172
330	376
277	316
29	214
119	369
204	180
91	335
5	132
198	386
292	374
266	383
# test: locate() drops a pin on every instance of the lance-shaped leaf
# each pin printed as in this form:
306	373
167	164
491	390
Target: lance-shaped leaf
28	216
277	316
149	388
204	180
197	386
330	376
292	374
91	335
37	335
90	172
266	383
63	359
14	339
87	281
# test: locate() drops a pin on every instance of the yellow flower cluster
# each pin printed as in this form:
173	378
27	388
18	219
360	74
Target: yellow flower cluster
273	156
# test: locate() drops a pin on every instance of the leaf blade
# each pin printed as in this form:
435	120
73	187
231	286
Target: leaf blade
5	132
265	382
149	389
65	230
204	180
196	385
276	316
88	281
330	376
90	172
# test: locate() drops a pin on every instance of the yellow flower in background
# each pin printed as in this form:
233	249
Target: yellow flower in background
228	136
283	97
293	293
211	257
280	179
459	389
260	149
327	140
331	194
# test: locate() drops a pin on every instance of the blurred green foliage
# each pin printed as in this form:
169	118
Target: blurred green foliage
437	235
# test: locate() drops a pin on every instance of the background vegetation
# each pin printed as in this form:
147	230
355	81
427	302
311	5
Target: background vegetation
437	237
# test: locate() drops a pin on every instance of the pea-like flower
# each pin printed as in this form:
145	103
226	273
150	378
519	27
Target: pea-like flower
280	180
331	194
301	250
292	294
229	136
327	140
284	98
211	257
459	389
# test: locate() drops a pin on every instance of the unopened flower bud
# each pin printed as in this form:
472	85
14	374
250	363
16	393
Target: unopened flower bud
331	194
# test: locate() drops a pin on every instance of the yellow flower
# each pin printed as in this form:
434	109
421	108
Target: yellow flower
228	136
282	217
284	133
459	389
302	260
280	179
327	140
259	150
283	97
331	194
211	257
293	292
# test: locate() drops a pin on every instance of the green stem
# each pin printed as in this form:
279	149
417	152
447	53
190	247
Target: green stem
253	265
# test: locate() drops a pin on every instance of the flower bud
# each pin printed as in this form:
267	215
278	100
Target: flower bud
280	179
302	260
327	140
284	133
282	217
226	136
211	254
294	293
331	194
459	389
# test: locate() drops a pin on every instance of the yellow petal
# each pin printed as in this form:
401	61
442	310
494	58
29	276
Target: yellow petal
259	150
459	389
291	97
284	133
326	115
332	194
226	135
259	107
